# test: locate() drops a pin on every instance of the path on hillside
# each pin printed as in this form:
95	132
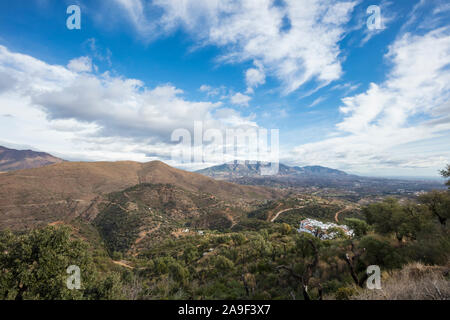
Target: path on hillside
123	264
143	234
43	203
336	216
280	212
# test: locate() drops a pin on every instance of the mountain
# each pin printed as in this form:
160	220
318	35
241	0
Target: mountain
310	178
320	171
11	159
241	169
64	191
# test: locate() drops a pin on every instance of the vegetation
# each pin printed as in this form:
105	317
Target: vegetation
34	265
414	281
246	257
446	174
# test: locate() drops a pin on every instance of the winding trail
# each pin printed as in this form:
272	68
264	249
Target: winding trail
336	216
143	234
282	211
123	264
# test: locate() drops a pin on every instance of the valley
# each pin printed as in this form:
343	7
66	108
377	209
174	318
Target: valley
156	232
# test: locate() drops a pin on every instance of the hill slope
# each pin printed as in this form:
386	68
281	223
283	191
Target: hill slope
148	213
64	191
11	159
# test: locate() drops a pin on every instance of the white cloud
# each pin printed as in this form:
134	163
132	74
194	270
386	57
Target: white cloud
251	30
240	99
97	117
386	126
98	52
212	91
255	76
205	88
81	64
317	101
442	8
135	10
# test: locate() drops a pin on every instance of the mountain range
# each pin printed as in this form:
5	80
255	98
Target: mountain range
241	169
11	159
312	177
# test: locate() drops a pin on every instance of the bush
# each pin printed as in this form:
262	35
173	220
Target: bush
223	264
358	226
178	273
344	293
413	282
380	252
34	266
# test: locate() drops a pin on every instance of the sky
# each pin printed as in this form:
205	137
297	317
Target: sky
344	87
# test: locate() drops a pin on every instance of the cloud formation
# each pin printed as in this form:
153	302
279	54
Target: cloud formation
403	120
81	64
102	116
295	41
240	99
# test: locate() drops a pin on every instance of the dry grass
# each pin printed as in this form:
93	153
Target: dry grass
414	282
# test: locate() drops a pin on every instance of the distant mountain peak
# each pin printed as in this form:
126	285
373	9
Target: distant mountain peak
11	159
248	168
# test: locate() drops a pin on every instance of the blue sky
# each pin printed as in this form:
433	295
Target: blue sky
372	102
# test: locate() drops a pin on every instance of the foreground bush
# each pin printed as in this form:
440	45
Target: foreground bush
414	282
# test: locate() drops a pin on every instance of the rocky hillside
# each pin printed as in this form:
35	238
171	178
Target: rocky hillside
66	190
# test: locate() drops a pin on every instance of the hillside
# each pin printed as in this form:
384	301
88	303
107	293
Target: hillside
319	171
147	213
11	159
63	191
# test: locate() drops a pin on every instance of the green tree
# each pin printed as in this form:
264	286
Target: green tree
359	227
446	174
286	229
390	216
190	254
33	266
178	273
107	287
379	252
223	264
438	202
384	215
238	238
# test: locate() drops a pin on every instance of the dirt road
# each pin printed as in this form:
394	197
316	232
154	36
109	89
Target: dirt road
336	216
280	212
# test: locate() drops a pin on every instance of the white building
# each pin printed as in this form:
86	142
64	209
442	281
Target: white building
321	230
